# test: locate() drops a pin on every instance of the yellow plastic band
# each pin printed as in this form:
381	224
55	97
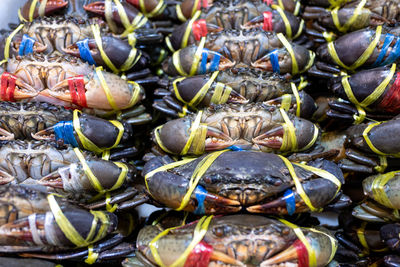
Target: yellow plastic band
299	187
194	8
184	112
197	56
298	102
346	26
286	102
361	237
135	94
297	8
334	243
158	140
69	230
289	142
32	9
165	168
201	168
188	30
221	93
106	155
97	37
288	27
329	36
313	140
168	43
109	207
106	89
383	164
312	259
361	115
176	61
198	235
289	48
42	8
92	256
373	96
363	58
93	179
109	16
303	83
378	188
86	142
369	143
196	127
179	13
155	12
138	21
8	41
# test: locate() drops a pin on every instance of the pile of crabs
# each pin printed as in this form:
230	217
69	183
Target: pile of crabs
244	123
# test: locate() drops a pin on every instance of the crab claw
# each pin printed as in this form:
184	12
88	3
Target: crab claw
32	233
73	179
277	137
118	52
323	245
281	61
125	94
201	201
51	7
6	135
14	88
99	8
15	45
319	191
5	177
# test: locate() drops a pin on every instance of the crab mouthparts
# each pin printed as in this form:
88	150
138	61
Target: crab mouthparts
237	98
272	138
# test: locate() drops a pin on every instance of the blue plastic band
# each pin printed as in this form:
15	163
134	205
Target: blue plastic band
201	194
273	56
214	66
65	130
26	46
290	201
394	54
388	40
84	51
203	64
235	148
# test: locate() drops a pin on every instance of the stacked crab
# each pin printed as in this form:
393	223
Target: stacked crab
252	107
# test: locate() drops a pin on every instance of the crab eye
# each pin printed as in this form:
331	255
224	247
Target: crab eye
219	232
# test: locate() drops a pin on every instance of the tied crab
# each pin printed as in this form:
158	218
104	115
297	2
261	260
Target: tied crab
255	126
227	241
350	17
40	224
238	85
67	81
85	40
274	20
369	49
275	54
218	183
374	91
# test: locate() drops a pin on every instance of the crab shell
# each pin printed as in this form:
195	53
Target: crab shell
228	186
239	240
253	126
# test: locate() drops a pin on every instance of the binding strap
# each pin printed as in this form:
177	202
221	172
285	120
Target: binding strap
363	58
9	40
156	11
41	10
299	187
198	235
70	231
373	96
196	59
348	23
7	89
87	143
76	87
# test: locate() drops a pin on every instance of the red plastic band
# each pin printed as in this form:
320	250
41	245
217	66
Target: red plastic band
76	88
200	255
202	3
133	2
302	254
267	26
7	87
391	100
269	2
199	28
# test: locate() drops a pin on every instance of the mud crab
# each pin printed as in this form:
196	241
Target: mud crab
219	184
226	241
255	126
238	85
